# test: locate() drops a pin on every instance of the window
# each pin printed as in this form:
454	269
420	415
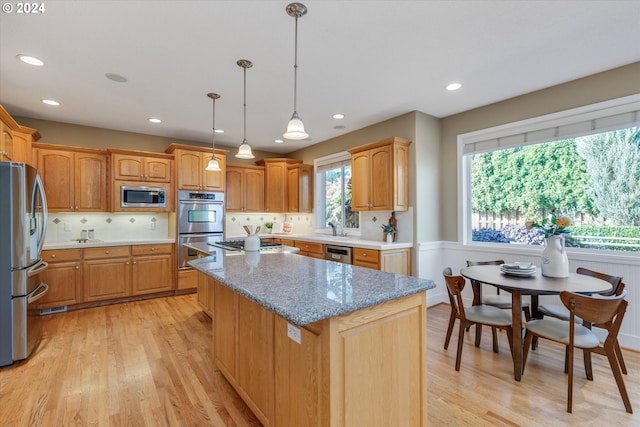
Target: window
333	192
581	164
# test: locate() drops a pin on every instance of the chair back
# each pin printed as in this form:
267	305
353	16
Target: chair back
604	312
616	282
495	262
455	285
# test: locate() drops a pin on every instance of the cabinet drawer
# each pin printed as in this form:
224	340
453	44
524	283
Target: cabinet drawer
287	242
106	252
370	256
164	248
311	247
59	255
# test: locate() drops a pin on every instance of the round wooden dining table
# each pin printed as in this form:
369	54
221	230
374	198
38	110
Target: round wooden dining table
534	286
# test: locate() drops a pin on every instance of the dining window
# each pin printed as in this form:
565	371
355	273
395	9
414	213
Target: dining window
333	193
581	164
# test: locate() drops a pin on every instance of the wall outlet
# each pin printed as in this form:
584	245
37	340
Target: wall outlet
67	226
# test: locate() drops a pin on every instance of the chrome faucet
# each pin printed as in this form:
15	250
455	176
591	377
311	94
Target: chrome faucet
333	227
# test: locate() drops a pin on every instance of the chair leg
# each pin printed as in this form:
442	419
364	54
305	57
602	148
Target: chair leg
452	320
527	343
588	370
617	374
566	359
460	342
494	334
623	367
478	334
569	359
527	313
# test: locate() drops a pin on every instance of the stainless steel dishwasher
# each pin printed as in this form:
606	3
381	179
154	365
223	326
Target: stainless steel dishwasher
341	254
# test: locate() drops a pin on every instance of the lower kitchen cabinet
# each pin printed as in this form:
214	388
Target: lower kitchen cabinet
391	260
310	249
107	273
64	278
152	269
205	291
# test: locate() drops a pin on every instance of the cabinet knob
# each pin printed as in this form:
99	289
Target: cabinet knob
364	254
134	262
153	249
53	255
107	252
77	267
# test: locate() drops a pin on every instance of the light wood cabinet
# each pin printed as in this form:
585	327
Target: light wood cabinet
107	273
191	162
390	260
225	307
64	278
310	249
300	187
130	166
206	293
245	189
276	183
152	268
75	179
380	175
15	140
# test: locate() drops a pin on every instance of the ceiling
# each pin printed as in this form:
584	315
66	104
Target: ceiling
369	60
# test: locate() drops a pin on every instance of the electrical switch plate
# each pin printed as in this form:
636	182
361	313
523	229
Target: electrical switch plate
67	226
294	333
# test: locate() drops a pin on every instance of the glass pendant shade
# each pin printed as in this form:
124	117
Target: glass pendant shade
244	151
295	128
213	164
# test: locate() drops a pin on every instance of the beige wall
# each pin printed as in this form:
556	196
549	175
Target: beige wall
92	137
616	83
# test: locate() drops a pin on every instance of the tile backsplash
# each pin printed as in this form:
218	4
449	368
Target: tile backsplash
234	222
64	227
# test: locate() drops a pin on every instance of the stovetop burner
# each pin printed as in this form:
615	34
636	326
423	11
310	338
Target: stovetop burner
238	245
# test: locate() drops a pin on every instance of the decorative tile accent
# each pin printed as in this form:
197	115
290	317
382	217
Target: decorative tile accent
84	220
108	220
153	220
132	220
248	218
233	218
56	221
374	219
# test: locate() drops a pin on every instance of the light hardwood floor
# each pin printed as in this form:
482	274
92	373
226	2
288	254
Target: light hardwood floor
148	363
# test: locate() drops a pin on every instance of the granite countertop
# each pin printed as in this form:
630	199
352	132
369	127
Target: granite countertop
302	289
335	240
74	244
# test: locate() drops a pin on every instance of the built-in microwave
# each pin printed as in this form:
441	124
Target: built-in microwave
142	197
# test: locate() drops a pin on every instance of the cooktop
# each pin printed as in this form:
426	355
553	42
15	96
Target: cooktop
238	245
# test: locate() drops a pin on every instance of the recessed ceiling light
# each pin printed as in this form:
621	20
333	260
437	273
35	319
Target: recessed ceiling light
219	131
154	120
278	141
31	60
50	102
116	77
338	116
453	86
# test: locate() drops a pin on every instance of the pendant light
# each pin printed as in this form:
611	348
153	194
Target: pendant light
295	128
244	151
213	163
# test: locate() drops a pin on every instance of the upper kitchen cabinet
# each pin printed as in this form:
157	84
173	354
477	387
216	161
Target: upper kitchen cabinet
15	140
127	165
300	186
245	188
191	162
276	178
380	175
75	179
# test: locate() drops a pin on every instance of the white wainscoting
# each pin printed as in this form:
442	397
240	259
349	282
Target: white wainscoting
433	257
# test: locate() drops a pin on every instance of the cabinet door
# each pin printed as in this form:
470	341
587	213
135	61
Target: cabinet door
233	195
152	273
106	278
127	168
6	144
396	261
275	187
212	180
253	190
381	187
225	305
305	189
369	258
57	171
90	183
64	281
360	181
157	170
189	165
293	176
255	356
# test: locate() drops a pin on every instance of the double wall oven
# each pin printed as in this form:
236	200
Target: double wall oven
200	219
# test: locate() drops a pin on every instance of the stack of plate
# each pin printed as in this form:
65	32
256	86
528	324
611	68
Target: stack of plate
520	269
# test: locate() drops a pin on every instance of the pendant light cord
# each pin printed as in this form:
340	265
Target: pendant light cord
295	70
213	133
244	140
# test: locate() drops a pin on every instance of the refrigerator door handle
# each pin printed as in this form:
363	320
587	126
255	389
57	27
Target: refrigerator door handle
39	188
38	293
41	267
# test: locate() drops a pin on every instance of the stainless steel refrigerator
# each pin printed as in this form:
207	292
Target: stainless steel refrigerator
23	225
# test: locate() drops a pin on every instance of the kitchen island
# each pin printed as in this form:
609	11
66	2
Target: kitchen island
309	342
